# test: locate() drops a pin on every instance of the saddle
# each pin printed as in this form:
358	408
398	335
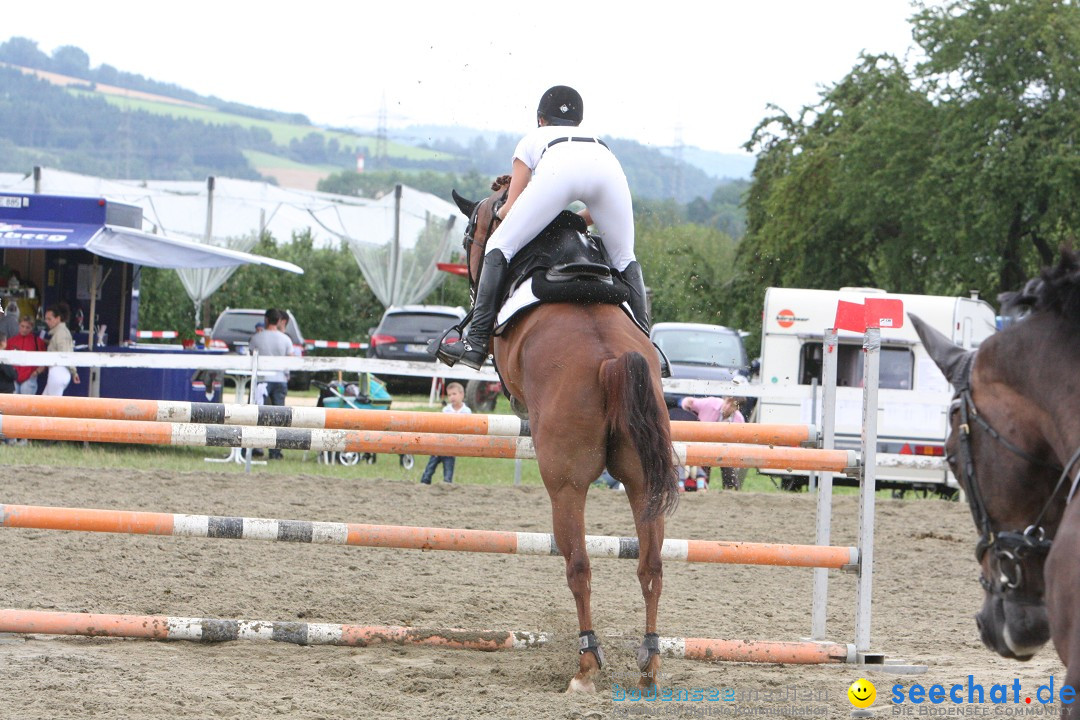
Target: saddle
567	264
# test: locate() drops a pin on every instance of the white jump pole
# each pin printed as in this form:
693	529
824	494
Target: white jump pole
824	489
867	490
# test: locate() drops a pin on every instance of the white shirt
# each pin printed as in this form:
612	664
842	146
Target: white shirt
270	343
532	146
448	408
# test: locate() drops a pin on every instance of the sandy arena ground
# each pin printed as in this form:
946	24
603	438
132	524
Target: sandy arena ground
925	593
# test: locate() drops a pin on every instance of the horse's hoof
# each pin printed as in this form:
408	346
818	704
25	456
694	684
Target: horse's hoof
579	685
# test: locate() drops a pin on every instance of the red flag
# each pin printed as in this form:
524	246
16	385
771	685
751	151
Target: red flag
850	316
887	314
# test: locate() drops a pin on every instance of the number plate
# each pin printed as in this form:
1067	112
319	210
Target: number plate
416	348
11	202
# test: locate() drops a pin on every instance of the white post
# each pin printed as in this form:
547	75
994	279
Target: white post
395	249
824	493
867	489
251	401
812	479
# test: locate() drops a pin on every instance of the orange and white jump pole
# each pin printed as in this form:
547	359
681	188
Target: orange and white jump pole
413	538
787	653
490	446
210	630
350	419
162	627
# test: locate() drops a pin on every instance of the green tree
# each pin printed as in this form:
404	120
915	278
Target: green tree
687	268
1006	77
330	300
962	173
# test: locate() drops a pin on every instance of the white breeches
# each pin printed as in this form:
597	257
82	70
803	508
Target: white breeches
59	379
569	172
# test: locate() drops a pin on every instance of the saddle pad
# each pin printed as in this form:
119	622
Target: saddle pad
522	299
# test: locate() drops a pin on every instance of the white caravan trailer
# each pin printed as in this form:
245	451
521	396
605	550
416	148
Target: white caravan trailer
914	397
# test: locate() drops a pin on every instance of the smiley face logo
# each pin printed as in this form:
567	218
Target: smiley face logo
862	693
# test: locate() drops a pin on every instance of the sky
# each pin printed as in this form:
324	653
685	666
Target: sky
699	73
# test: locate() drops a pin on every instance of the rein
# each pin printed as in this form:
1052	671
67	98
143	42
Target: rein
467	244
1010	548
470	234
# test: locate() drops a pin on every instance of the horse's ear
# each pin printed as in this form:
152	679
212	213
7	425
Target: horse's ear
953	360
465	206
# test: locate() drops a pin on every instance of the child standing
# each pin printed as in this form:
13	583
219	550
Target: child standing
455	403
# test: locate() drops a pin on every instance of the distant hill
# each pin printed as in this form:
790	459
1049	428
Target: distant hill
718	165
714	164
57	110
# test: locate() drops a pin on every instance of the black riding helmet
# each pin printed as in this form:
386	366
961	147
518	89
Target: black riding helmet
560	105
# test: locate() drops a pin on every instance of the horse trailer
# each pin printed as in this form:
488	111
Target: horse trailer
914	397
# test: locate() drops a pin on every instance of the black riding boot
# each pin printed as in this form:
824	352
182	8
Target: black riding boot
638	302
640	307
472	350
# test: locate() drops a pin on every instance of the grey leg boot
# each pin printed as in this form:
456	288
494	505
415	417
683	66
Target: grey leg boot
472	350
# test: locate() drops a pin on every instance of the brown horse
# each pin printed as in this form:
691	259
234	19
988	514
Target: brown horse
1014	445
590	381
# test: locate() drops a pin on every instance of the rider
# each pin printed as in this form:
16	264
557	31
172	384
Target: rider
576	166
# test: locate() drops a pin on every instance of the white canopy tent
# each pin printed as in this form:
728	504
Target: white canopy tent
396	240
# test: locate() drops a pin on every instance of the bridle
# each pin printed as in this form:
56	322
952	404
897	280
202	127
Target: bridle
467	243
1009	549
470	233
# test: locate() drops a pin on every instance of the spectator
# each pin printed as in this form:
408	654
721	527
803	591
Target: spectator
271	342
608	480
260	387
9	320
712	409
59	341
26	381
455	396
7	373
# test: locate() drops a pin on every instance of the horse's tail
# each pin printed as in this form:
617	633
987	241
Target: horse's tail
634	411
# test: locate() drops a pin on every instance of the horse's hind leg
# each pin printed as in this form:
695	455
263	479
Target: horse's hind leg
568	521
650	569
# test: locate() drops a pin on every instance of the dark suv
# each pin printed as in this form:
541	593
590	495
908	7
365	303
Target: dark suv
698	351
404	331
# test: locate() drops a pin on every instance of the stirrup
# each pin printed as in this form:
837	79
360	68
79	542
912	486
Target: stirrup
462	352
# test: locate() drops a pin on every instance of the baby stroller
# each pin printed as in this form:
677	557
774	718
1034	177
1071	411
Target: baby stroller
367	393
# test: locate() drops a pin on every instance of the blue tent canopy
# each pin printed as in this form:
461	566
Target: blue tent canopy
108	229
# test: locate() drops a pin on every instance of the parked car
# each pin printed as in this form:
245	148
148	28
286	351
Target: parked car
700	351
404	333
697	351
235	326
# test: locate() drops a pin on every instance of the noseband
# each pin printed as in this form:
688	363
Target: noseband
1009	549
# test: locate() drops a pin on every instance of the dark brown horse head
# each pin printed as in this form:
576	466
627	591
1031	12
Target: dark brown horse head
481	214
998	454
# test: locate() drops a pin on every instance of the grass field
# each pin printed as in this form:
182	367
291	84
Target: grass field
281	132
266	160
477	471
